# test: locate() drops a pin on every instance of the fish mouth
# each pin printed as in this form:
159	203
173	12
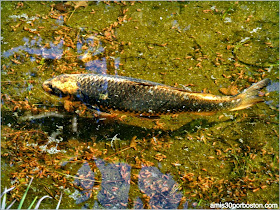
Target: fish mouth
47	87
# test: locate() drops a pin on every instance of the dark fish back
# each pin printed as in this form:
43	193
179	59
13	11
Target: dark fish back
126	94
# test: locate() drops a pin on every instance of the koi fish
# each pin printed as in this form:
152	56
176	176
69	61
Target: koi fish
141	96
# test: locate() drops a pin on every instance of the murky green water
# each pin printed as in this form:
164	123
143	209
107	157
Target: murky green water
180	161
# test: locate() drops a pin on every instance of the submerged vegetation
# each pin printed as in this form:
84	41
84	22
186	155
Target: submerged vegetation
4	195
123	161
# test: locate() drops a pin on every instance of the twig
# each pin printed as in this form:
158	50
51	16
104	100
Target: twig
71	14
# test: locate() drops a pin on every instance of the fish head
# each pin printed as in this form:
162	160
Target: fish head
62	86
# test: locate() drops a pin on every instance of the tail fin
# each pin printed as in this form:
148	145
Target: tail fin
249	96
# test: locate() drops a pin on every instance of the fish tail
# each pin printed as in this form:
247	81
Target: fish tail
250	96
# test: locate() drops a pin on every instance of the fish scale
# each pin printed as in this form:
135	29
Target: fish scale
142	96
124	96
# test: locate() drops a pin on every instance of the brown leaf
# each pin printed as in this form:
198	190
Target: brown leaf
16	61
231	90
80	4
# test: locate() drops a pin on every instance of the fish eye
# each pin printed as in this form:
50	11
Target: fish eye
58	92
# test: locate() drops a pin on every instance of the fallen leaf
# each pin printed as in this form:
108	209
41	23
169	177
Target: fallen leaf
80	4
62	7
231	90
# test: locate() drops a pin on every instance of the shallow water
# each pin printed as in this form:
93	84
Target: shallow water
177	161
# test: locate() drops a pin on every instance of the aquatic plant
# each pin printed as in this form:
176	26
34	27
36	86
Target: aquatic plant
4	195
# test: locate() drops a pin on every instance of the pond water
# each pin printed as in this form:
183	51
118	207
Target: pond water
122	160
